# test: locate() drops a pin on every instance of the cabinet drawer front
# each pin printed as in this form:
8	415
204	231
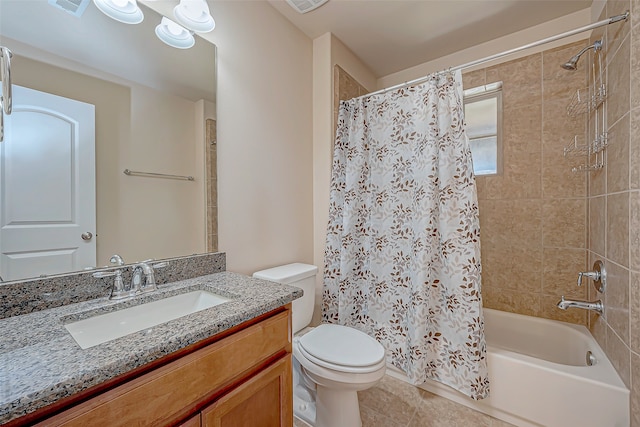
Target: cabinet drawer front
264	400
155	397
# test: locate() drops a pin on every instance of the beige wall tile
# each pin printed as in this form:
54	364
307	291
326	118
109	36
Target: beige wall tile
512	301
598	327
616	299
558	181
619	355
558	82
634	311
635	390
634	230
512	267
520	178
618	228
345	87
521	129
634	147
635	66
617	33
598	182
618	156
522	80
559	129
618	84
550	310
474	79
564	223
560	272
597	225
513	224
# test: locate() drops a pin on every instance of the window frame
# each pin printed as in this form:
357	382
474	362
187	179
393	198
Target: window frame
480	93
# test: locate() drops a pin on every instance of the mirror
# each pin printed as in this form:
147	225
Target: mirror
154	111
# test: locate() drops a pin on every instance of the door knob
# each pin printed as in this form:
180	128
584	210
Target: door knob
86	235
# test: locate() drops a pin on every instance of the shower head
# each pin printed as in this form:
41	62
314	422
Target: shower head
572	64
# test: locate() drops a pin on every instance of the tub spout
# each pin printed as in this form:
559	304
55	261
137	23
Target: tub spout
585	305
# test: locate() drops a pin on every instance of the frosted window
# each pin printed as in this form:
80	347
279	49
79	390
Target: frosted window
484	152
481	117
482	110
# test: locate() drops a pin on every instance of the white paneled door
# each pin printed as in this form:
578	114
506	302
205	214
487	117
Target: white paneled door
47	186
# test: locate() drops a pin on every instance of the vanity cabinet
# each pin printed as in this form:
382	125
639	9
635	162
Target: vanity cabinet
240	379
261	401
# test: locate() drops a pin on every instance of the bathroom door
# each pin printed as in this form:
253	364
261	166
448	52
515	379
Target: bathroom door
47	186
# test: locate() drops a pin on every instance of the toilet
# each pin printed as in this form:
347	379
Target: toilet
331	363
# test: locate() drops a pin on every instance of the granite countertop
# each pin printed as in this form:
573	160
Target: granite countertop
40	362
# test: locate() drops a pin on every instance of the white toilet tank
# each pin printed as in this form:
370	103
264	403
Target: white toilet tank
299	275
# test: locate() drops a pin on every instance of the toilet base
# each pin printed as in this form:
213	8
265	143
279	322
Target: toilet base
304	410
337	408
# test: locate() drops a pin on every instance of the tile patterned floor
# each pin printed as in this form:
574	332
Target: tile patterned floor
394	403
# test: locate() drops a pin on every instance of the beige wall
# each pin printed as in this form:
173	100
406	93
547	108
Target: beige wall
159	218
264	126
533	214
138	218
614	202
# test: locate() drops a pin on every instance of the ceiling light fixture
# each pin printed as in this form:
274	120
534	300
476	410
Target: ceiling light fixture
174	35
194	15
125	11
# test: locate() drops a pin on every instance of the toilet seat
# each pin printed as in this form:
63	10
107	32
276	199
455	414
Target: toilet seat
342	349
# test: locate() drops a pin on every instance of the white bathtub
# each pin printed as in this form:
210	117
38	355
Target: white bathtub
539	376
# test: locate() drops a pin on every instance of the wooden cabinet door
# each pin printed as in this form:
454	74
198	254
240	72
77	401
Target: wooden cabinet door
191	422
265	400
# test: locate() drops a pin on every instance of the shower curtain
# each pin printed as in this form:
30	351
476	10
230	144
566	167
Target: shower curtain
402	260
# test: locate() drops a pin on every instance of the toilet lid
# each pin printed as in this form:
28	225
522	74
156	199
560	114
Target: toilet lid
341	345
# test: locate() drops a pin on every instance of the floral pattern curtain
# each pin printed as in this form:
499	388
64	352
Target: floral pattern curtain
402	260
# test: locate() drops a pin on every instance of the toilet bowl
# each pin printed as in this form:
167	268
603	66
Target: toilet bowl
331	363
340	361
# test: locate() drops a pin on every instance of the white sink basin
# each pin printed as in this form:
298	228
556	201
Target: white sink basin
106	327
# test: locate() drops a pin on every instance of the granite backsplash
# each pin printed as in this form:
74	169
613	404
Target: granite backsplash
28	296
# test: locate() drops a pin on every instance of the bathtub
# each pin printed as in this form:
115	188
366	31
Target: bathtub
539	376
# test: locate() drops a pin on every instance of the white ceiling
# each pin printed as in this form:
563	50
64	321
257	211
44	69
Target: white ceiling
36	29
393	35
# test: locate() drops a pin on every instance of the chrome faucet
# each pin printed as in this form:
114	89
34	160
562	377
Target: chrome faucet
598	275
596	306
117	289
148	284
138	284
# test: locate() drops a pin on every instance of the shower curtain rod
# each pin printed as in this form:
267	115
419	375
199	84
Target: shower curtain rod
611	20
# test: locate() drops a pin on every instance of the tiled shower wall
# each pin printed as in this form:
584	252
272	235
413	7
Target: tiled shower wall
614	202
533	215
344	87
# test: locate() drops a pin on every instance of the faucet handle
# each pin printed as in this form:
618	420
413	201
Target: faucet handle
116	259
118	285
595	275
598	275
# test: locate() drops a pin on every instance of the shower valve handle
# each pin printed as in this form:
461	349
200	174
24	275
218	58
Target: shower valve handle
595	275
598	275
